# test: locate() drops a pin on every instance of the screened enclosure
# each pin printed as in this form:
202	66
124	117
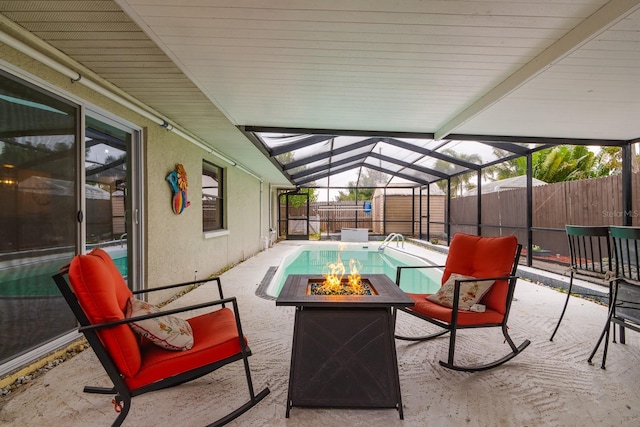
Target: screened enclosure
431	189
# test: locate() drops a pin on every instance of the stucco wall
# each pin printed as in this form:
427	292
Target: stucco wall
174	245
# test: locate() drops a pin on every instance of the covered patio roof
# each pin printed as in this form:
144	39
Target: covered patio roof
431	74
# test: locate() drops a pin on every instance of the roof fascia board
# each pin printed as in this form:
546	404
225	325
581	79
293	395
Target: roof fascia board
485	139
340	132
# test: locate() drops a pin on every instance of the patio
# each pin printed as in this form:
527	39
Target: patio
549	384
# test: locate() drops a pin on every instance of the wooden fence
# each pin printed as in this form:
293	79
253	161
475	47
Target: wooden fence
594	202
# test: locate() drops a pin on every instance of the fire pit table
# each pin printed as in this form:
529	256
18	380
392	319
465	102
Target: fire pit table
343	352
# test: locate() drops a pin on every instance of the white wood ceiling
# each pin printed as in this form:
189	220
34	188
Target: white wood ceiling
535	68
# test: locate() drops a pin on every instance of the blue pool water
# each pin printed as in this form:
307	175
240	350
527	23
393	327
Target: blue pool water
313	259
33	278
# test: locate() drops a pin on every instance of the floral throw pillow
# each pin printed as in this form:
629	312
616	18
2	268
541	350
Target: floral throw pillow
169	332
470	292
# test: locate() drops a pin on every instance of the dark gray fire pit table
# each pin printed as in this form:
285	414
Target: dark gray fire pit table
343	353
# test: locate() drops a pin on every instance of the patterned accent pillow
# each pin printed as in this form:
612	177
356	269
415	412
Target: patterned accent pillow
470	292
169	332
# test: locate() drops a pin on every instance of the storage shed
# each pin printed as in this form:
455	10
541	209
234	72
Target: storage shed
392	212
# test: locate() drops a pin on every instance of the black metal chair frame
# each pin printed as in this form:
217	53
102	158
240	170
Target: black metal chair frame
453	327
123	395
624	290
587	248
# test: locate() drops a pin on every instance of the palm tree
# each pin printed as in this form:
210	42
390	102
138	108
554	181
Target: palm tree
610	161
459	182
369	180
563	163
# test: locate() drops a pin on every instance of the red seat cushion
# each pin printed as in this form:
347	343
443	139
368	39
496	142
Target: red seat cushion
439	312
479	257
103	295
215	338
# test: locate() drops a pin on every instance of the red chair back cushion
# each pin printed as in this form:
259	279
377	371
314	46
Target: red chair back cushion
479	256
103	295
123	293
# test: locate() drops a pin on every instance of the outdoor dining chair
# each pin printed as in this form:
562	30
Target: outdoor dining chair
143	349
624	289
589	255
477	290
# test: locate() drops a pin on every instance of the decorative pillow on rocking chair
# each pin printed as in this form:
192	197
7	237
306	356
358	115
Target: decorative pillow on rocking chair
470	292
169	332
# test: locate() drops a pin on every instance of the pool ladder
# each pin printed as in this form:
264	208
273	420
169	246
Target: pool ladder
390	238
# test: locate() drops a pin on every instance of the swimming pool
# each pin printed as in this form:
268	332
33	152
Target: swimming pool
31	277
313	259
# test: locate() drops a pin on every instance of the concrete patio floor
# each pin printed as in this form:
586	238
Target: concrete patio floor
549	384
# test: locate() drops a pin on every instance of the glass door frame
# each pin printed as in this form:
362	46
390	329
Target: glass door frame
305	235
135	215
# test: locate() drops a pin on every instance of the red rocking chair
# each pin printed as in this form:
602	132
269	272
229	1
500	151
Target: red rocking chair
99	298
473	263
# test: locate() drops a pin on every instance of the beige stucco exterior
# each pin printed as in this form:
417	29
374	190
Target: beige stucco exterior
175	245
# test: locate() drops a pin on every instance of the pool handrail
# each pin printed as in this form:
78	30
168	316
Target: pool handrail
389	239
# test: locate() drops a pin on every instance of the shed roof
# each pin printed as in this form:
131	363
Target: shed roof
506	184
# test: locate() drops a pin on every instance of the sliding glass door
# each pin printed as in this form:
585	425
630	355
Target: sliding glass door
112	208
69	182
38	219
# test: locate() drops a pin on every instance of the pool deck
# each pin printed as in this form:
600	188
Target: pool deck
549	384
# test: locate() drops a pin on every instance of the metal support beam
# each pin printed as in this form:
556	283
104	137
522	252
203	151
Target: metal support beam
413	210
448	213
627	197
529	209
479	205
384	211
429	212
420	215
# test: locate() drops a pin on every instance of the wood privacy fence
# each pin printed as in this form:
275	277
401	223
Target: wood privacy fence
592	202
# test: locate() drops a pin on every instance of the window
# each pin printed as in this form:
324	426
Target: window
212	197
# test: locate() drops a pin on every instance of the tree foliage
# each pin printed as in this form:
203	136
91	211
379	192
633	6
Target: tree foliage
459	183
299	201
609	161
369	180
564	163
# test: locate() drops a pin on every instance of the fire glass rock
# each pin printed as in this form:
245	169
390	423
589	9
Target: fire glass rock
315	289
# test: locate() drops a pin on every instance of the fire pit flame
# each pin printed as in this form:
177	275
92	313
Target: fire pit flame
355	280
333	280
